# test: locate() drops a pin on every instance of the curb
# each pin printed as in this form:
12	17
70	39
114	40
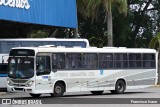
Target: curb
2	93
157	85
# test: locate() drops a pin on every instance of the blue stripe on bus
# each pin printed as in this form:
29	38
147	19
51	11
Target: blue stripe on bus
3	75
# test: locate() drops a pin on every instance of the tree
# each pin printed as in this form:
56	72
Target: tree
81	8
90	8
38	34
155	44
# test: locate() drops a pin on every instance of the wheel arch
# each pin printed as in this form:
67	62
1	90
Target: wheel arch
62	82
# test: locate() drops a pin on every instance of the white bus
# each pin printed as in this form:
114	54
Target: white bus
7	44
56	70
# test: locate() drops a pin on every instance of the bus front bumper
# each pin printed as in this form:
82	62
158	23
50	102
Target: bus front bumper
19	89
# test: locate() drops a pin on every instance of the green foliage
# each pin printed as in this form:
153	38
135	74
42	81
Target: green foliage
98	41
134	30
155	42
122	6
94	32
158	36
38	34
122	29
93	8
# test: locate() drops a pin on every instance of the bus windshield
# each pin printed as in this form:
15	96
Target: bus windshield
21	67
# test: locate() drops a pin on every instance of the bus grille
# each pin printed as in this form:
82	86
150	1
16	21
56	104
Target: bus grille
19	85
19	89
18	81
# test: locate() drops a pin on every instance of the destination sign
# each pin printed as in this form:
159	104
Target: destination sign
22	52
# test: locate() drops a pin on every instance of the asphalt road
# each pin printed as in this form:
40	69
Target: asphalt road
150	97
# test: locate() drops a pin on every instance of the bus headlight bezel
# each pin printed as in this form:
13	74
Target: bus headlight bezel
9	82
30	83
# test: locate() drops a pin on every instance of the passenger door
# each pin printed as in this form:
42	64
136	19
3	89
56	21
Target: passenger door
43	78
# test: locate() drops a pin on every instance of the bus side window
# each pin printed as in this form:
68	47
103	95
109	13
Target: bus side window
149	61
135	60
105	60
58	61
73	61
90	61
120	60
43	65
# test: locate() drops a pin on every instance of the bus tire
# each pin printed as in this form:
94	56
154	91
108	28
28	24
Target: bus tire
96	92
58	90
120	87
35	95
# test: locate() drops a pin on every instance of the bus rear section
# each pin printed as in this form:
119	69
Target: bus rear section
3	70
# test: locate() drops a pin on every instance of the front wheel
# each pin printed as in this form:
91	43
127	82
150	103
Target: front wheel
35	95
58	90
96	92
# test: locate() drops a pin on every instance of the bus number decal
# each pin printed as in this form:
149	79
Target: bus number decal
45	77
101	72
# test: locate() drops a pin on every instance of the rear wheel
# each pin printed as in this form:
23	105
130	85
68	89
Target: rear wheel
35	95
96	92
119	88
58	90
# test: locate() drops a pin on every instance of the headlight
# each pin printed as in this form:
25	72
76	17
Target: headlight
30	83
9	82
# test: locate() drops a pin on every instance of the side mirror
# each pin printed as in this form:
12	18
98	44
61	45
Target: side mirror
38	73
54	70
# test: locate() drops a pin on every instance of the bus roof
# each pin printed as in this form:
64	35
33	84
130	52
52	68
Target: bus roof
89	50
43	39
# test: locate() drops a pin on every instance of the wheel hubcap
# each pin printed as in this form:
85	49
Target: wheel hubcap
120	87
58	89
